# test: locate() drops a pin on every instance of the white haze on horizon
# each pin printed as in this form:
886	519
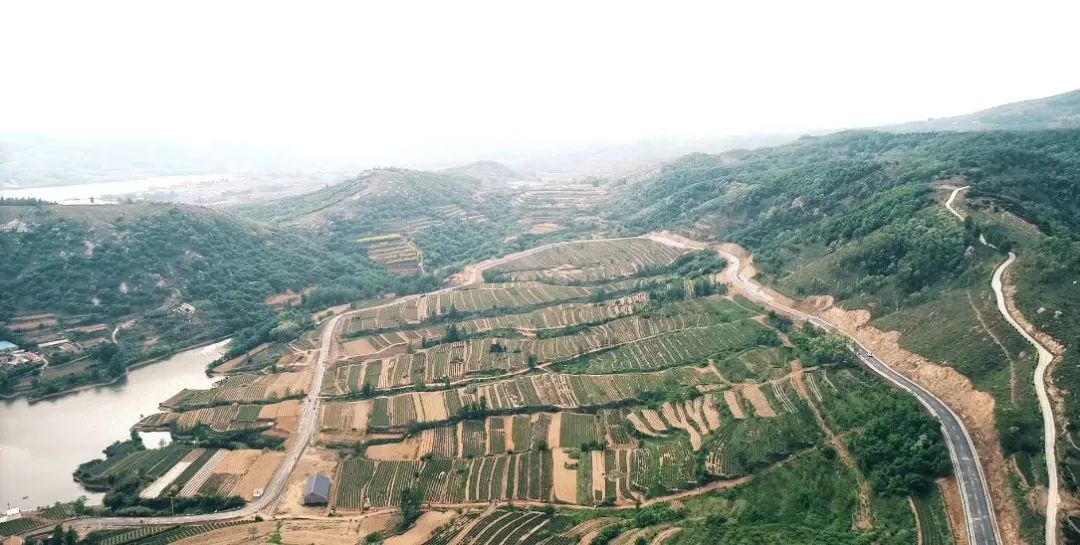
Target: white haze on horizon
409	79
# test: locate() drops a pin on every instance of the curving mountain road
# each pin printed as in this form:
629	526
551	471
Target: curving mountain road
1053	496
978	507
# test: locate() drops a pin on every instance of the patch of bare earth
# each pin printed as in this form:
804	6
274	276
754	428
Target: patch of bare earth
564	478
975	408
406	449
313	461
954	508
286	417
424	527
757	400
258	474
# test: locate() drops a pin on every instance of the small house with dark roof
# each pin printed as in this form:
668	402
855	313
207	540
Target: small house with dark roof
317	490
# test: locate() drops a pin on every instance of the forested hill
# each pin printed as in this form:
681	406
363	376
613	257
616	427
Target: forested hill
860	216
187	273
864	199
1055	112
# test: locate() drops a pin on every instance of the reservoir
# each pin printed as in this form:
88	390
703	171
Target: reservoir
42	443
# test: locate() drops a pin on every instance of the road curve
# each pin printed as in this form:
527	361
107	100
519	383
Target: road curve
1053	496
978	507
952	197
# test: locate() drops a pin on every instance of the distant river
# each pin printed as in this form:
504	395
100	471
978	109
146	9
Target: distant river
42	443
82	193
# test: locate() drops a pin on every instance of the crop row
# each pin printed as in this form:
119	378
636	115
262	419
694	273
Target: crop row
530	391
150	463
677	348
590	261
365	484
261	388
221	419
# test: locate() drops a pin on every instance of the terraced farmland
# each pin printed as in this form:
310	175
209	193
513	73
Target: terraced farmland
531	392
590	261
242	389
565	385
395	252
506	526
220	419
680	347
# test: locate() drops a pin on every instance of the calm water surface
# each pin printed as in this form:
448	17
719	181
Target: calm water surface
42	443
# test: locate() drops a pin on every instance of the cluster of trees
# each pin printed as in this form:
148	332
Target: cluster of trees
898	447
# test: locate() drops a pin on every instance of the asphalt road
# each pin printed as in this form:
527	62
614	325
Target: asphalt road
978	508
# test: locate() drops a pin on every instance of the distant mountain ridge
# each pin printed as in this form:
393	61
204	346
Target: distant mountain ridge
1053	112
375	194
489	172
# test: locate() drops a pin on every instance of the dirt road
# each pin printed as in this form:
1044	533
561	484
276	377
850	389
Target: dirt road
952	197
1053	496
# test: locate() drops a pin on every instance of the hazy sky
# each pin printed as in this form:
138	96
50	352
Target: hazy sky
409	75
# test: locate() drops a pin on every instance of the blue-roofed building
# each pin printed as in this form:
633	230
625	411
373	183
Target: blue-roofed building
6	347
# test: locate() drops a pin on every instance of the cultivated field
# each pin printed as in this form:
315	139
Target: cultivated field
590	261
243	389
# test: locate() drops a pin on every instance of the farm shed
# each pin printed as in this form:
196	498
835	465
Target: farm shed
317	491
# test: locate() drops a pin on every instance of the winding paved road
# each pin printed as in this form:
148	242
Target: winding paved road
1053	496
978	507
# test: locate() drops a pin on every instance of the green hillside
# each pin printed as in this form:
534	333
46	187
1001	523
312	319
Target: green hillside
859	216
1054	112
183	274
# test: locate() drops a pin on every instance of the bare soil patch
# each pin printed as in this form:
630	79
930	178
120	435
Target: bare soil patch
313	461
564	479
758	400
554	431
732	401
407	449
358	347
258	474
544	228
954	508
598	473
432	405
640	426
424	527
237	461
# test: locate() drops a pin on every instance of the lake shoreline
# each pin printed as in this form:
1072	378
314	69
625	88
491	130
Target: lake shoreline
137	365
85	423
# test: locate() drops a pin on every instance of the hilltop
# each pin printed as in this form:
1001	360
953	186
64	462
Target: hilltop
489	172
1054	112
375	195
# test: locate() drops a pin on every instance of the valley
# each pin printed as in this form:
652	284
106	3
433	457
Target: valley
858	337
